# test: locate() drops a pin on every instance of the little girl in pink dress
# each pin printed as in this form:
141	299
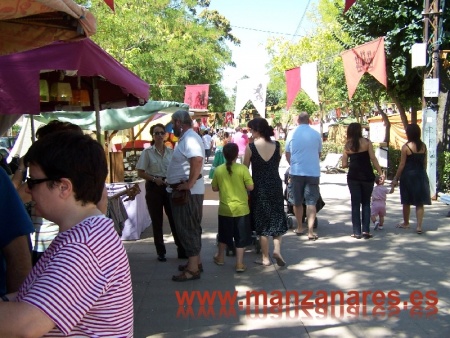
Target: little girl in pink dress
378	206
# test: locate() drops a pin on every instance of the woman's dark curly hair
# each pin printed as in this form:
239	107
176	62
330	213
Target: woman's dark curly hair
262	127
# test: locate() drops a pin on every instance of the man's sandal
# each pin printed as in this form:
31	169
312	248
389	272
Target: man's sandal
183	277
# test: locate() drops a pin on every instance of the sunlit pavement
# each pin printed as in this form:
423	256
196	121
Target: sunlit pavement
400	279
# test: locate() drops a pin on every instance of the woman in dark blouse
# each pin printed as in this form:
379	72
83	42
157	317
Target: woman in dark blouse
359	157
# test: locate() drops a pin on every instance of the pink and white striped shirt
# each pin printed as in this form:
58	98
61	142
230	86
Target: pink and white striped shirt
83	282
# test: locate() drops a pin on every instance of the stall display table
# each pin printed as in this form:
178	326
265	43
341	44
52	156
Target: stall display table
138	216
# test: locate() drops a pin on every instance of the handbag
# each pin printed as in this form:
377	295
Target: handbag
180	197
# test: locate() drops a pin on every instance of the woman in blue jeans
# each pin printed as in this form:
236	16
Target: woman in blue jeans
358	157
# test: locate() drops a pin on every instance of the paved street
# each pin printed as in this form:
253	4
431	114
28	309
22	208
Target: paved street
392	271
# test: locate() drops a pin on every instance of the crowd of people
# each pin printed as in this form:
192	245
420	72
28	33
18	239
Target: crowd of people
74	285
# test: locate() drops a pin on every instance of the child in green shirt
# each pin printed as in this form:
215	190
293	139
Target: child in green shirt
232	180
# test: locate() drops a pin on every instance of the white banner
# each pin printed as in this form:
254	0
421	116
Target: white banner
308	80
254	90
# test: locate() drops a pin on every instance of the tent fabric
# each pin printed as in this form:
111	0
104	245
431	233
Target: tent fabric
19	73
116	119
29	24
24	139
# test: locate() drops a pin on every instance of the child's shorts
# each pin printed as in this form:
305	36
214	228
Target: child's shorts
378	208
238	228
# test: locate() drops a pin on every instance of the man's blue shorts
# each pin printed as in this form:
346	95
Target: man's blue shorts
304	188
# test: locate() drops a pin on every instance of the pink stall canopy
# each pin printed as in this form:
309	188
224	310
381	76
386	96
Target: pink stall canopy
28	24
20	74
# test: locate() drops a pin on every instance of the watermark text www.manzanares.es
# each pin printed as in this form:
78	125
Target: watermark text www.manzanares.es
295	304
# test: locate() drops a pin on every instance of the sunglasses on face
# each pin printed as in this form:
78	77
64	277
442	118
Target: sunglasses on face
161	133
32	182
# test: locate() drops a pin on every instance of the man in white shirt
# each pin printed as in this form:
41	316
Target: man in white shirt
185	173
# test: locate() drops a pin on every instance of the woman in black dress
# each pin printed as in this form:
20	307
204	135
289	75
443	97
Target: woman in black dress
359	156
414	183
266	200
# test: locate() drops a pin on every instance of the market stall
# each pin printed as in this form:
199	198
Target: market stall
29	24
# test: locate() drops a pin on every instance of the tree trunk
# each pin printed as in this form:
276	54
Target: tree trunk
443	123
443	120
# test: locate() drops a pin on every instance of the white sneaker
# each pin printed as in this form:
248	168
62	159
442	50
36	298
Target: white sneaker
380	227
376	225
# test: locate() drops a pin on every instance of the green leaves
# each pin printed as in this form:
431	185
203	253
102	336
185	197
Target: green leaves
167	43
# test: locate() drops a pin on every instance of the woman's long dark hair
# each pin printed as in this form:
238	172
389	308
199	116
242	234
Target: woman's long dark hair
413	135
262	127
354	134
230	152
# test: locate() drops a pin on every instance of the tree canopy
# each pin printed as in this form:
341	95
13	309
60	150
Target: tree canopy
399	21
169	44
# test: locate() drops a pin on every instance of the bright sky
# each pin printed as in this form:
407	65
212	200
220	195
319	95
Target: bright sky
260	19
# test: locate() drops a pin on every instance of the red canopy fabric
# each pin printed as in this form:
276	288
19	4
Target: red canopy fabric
20	73
29	24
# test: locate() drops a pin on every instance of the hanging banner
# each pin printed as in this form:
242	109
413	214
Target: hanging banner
348	4
205	121
196	96
229	117
253	90
293	85
110	3
303	77
368	58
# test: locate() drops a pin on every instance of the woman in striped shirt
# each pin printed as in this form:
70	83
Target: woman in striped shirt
81	286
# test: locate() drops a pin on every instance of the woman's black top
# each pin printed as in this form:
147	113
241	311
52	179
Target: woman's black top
360	167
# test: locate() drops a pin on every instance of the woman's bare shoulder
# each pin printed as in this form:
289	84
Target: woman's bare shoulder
365	144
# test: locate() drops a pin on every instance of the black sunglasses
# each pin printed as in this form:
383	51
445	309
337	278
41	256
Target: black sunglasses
162	133
31	183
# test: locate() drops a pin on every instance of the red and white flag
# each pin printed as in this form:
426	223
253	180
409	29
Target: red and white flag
196	96
348	4
368	58
303	77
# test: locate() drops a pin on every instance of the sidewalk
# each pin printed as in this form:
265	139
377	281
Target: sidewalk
396	260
